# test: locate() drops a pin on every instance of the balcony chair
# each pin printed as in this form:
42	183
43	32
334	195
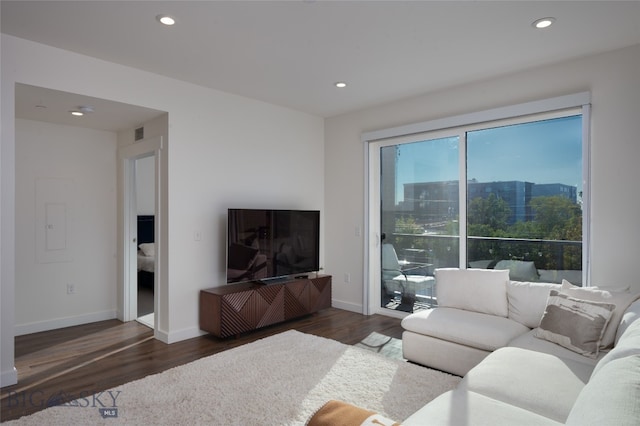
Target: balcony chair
403	279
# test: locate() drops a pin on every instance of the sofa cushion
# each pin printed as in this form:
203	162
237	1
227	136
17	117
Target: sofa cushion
519	270
459	407
440	354
628	345
576	324
542	383
529	341
612	397
527	301
630	315
482	331
477	290
621	299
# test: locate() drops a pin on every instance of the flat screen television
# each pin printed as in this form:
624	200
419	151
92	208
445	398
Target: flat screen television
265	245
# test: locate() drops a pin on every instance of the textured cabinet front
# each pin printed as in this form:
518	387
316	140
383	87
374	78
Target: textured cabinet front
233	309
320	293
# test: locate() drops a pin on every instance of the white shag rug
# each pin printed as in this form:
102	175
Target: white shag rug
280	380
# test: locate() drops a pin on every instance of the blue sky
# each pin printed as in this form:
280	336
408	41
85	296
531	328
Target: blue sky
547	151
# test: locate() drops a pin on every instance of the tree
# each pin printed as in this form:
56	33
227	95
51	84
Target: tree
486	216
408	226
554	218
557	217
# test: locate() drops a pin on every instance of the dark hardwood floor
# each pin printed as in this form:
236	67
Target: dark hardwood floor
66	364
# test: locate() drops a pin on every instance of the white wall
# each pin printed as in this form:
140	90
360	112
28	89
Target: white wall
145	184
87	160
614	81
145	167
223	151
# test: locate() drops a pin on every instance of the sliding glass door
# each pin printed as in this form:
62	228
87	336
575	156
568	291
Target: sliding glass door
419	228
525	199
505	194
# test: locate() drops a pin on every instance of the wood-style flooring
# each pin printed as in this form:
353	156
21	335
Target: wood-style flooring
66	364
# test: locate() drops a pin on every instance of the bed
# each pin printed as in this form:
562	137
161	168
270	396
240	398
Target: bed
146	250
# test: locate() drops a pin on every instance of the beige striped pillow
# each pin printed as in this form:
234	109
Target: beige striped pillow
575	324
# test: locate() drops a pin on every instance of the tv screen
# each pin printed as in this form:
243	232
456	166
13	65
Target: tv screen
264	244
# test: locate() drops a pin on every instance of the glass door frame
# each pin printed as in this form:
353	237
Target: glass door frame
374	206
434	129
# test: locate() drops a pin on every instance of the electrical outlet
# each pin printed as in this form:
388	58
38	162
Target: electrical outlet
347	278
71	289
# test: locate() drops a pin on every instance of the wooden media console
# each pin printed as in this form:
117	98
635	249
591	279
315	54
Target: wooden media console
236	308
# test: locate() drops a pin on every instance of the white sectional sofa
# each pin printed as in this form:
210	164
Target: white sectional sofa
530	353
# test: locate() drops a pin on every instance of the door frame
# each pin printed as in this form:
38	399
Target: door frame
373	216
127	302
404	133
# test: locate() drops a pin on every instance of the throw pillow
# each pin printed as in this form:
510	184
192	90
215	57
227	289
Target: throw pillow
527	301
338	413
476	290
575	324
621	300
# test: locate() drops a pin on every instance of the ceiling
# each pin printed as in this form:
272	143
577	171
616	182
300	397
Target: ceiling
54	106
291	53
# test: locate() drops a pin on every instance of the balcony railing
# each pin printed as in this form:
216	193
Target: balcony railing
554	260
442	250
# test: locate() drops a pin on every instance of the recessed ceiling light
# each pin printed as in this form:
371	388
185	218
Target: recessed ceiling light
341	84
166	20
543	23
81	110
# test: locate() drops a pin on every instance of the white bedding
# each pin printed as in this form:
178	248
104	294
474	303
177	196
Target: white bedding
146	263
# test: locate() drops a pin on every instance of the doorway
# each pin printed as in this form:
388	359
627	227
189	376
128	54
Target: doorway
145	236
417	220
141	237
84	150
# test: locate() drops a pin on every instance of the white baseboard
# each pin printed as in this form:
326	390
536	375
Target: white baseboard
161	335
55	323
190	333
179	335
347	306
9	377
